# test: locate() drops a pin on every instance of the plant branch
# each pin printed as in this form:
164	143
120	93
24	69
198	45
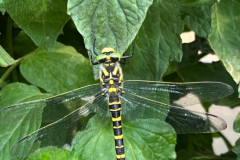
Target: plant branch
9	46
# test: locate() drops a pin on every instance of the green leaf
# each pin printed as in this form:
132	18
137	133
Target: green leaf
61	69
41	20
5	59
193	155
144	139
224	38
9	95
51	153
113	23
236	124
157	43
198	19
194	3
214	72
3	6
15	123
23	44
236	149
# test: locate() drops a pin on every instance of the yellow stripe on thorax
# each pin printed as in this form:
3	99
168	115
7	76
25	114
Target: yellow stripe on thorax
115	70
105	72
116	119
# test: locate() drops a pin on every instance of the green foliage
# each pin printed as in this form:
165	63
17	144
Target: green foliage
52	38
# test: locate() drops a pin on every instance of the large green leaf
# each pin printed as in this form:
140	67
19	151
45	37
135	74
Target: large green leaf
60	70
41	20
214	72
143	140
198	19
194	3
157	43
224	38
15	123
114	23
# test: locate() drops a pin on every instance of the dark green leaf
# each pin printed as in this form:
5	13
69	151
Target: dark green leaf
214	72
198	19
156	44
41	20
236	149
60	70
236	124
193	155
193	3
23	44
224	38
143	140
191	51
11	131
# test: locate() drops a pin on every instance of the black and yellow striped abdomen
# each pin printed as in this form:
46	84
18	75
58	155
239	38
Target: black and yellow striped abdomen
111	79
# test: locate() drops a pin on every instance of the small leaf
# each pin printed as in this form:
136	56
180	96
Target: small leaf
198	19
5	59
157	43
15	122
52	153
236	148
224	38
194	3
61	69
41	20
236	124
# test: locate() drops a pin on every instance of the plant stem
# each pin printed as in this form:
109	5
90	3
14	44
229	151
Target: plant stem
10	48
229	146
8	72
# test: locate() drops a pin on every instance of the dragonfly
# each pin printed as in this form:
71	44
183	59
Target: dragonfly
119	101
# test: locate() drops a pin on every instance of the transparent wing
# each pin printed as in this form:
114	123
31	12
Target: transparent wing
52	108
182	120
178	93
62	132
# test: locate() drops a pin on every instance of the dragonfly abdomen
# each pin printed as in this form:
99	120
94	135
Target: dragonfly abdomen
117	129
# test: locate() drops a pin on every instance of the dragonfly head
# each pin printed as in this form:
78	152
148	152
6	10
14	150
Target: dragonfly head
108	54
107	50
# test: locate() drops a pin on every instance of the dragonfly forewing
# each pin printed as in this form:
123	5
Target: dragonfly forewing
182	94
